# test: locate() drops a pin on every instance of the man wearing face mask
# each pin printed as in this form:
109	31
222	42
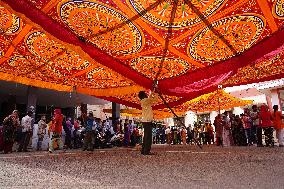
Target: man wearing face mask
41	131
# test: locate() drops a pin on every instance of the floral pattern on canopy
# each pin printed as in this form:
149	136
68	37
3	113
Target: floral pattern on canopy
113	49
217	100
185	16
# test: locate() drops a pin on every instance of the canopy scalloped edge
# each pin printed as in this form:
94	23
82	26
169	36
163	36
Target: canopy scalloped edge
110	91
34	82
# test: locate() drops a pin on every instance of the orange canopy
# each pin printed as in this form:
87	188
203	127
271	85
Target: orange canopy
218	100
112	49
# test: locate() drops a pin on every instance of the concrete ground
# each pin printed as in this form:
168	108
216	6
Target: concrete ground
172	167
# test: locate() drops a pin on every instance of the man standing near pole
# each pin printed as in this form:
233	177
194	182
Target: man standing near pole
147	119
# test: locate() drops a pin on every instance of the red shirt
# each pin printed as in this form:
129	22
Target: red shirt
265	119
76	125
57	123
246	122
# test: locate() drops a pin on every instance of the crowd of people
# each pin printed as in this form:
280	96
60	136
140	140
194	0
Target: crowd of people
229	129
84	132
248	128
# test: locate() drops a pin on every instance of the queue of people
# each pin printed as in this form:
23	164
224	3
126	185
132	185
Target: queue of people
230	130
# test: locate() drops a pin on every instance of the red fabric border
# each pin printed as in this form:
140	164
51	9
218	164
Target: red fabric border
160	106
187	98
65	35
248	57
270	78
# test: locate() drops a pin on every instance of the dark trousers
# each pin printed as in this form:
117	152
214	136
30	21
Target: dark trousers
259	136
39	142
88	145
219	141
206	137
7	147
268	132
68	140
158	139
163	138
133	140
25	139
254	134
76	139
147	140
248	136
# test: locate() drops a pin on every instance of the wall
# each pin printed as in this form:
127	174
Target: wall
213	115
169	121
190	118
275	98
238	111
260	99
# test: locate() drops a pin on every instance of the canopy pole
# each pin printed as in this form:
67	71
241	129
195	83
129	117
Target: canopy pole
218	94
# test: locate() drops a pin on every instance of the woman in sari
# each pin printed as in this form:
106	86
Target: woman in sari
10	124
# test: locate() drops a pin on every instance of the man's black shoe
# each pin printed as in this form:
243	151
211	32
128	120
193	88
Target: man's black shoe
149	154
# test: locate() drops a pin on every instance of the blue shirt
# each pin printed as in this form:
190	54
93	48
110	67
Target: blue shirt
90	124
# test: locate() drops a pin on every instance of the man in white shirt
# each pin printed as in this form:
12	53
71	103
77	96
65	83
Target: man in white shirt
147	118
26	125
168	135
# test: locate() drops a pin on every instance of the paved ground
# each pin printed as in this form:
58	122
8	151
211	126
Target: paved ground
172	167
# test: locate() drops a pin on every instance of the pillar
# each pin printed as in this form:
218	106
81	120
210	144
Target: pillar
115	111
190	118
238	111
83	109
275	98
213	115
32	99
169	122
11	104
269	103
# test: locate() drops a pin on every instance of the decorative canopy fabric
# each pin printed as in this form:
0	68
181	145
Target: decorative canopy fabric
217	100
113	49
